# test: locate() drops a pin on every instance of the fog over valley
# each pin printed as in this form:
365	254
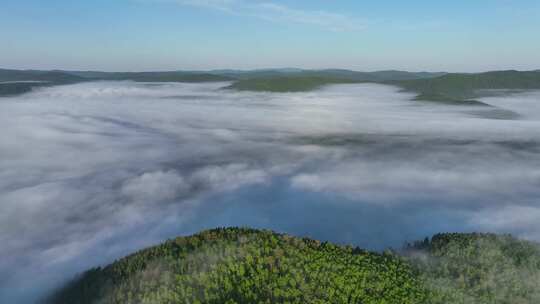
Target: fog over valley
93	171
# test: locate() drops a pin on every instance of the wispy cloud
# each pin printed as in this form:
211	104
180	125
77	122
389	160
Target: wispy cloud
274	12
224	5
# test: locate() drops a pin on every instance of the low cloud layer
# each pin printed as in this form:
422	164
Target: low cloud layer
90	172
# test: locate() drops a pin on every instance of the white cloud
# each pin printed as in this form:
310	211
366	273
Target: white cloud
328	20
229	177
225	5
155	186
280	13
96	170
509	219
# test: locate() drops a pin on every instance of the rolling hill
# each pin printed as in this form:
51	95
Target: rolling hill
478	268
463	87
449	88
168	76
308	80
14	82
241	265
247	266
285	84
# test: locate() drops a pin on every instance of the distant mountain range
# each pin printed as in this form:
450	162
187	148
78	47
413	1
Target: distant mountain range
443	87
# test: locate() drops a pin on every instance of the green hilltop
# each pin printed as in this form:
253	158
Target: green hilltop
286	84
308	80
453	88
169	76
241	265
15	82
237	265
477	268
458	88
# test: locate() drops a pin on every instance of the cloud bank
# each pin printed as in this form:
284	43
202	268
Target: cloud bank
93	171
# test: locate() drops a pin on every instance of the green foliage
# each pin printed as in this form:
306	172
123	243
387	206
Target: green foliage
436	87
379	76
463	88
240	265
286	83
158	76
15	82
44	76
16	88
478	269
308	80
236	265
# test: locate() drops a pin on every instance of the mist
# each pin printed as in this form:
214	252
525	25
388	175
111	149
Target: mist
93	171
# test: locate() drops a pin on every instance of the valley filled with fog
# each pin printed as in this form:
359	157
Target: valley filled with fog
93	171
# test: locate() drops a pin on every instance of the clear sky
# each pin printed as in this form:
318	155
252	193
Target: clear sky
134	35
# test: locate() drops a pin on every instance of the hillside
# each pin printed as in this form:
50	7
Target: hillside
377	76
169	76
459	88
240	265
437	87
478	268
247	266
34	75
14	82
308	80
286	83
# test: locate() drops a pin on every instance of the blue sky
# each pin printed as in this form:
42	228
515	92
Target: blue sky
134	35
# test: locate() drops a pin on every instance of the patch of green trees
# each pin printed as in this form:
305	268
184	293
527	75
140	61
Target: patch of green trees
237	265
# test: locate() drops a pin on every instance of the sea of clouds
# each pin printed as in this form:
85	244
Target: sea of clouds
93	171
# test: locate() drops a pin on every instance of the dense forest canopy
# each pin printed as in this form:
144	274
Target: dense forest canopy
241	265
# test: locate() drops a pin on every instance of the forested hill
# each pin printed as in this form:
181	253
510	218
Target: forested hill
307	80
248	266
240	265
478	268
463	87
169	76
438	87
35	75
14	82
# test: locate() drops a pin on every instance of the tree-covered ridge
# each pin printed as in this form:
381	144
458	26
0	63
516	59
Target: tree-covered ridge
308	80
452	88
237	265
478	268
287	83
459	88
15	82
172	76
